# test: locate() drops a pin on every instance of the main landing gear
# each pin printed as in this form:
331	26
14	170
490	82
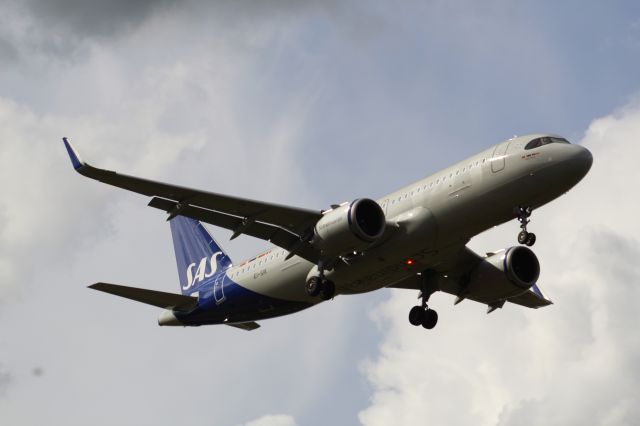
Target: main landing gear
320	286
524	237
423	315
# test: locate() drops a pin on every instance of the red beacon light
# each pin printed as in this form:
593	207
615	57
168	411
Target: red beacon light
409	262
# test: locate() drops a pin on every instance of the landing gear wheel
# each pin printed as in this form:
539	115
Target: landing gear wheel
430	319
415	315
531	239
523	237
328	290
313	286
523	214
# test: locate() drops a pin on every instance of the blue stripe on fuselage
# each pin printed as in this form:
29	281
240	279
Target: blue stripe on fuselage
231	302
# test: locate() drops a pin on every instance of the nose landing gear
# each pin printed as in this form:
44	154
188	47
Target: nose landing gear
524	237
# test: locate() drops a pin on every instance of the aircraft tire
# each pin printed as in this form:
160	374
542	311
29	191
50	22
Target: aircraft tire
328	290
313	286
430	319
523	237
416	314
531	239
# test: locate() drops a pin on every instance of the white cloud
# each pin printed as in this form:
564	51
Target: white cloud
273	420
575	362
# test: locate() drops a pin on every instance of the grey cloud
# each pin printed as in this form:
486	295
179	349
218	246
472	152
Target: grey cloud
95	18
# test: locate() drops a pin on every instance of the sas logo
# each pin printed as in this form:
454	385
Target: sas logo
201	272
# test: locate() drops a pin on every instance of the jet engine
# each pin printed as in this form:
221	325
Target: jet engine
349	227
505	274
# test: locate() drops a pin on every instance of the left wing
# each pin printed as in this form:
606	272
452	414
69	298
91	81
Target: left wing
287	227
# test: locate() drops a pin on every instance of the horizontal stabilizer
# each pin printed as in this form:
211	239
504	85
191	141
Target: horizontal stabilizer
245	325
150	297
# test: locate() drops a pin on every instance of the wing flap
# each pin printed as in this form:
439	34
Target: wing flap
278	236
150	297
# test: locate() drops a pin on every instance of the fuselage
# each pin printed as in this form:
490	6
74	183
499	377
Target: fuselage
431	218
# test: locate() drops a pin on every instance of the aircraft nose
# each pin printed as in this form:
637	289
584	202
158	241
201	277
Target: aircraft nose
582	160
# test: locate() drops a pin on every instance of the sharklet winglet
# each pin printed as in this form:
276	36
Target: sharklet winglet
76	161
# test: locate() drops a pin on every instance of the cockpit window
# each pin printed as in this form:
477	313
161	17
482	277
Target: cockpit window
536	143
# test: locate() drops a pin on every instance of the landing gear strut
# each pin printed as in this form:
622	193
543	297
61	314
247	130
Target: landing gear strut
524	237
422	315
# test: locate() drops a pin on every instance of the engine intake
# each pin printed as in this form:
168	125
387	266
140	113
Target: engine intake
350	227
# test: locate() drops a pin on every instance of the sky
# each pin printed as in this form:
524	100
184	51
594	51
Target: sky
309	104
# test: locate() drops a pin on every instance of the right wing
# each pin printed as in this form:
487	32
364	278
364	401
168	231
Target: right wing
450	274
287	227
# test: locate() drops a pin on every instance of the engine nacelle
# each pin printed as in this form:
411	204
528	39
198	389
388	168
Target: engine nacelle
505	274
350	227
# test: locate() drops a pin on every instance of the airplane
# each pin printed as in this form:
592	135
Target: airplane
414	238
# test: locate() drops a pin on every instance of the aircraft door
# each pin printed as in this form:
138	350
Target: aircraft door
385	205
498	158
218	289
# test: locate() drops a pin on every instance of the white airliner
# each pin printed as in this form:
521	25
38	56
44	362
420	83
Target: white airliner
413	238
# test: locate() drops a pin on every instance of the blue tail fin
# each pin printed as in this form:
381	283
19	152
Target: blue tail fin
198	255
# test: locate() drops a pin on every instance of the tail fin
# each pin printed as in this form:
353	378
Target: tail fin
198	255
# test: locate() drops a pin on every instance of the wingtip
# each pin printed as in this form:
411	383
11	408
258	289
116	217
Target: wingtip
76	161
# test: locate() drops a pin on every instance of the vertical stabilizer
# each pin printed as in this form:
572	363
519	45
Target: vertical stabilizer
200	259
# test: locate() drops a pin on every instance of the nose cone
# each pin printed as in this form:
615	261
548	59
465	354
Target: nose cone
581	161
